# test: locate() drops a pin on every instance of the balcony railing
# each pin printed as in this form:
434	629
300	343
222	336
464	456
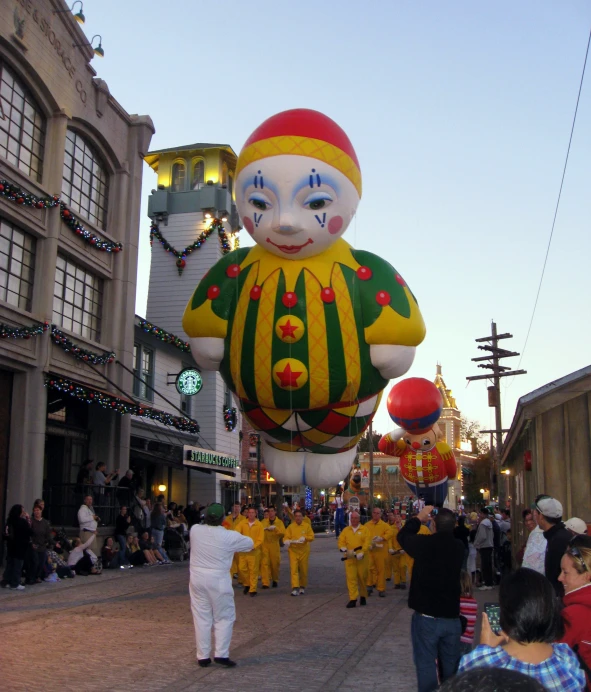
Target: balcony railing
62	503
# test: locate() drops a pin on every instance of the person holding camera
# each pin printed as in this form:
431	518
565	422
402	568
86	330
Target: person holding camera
434	595
530	627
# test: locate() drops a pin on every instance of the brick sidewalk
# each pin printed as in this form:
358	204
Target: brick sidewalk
132	630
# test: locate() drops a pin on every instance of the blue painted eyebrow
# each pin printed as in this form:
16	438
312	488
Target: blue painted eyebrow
250	183
305	183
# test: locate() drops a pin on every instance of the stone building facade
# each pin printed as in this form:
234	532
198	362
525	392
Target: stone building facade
62	134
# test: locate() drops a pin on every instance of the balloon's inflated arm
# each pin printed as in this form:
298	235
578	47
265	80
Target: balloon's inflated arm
391	443
208	352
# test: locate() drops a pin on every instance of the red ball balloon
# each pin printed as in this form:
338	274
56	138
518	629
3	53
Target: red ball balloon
415	404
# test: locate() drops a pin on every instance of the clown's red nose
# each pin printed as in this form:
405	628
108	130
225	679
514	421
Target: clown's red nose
416	445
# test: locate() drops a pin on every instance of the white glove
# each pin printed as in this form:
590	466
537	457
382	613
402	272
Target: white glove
207	351
376	539
391	361
301	540
287	543
401	552
360	556
272	528
392	551
343	550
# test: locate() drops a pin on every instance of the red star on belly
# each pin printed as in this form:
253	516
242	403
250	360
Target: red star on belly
288	329
288	377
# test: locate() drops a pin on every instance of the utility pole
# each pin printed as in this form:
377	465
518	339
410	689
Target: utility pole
370	447
491	344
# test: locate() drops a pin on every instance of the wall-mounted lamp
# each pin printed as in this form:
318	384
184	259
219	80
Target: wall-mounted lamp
207	213
79	16
161	488
98	50
224	215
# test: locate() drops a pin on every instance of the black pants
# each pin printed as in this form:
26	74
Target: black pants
486	566
84	564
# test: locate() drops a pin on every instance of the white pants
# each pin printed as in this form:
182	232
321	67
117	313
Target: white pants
212	605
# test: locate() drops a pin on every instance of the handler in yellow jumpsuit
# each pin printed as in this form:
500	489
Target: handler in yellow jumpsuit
354	540
230	523
273	529
298	537
389	557
379	533
290	514
398	558
249	563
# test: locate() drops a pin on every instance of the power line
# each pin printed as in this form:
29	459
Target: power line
557	201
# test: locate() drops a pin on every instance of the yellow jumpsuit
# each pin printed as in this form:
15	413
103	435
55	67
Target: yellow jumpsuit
398	560
271	556
230	523
249	563
389	561
407	562
299	553
377	554
356	570
305	518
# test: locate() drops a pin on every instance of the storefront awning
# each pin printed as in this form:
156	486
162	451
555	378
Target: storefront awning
392	469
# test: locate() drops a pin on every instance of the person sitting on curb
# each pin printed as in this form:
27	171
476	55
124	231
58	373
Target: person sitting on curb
82	560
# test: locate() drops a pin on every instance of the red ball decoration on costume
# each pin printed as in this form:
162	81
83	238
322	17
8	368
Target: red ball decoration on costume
233	270
289	299
364	273
400	280
327	295
383	298
415	404
213	292
255	292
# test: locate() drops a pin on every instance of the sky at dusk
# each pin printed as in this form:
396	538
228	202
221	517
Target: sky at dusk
460	114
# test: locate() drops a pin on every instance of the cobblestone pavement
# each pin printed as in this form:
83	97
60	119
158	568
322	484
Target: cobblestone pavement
132	630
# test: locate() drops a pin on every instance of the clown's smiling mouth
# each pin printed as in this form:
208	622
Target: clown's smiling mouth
290	249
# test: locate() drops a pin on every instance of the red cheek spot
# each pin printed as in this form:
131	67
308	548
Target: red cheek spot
335	224
248	224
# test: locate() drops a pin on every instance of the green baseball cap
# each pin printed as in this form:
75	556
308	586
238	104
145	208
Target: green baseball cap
216	511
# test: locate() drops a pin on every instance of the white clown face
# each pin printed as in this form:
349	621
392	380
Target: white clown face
295	206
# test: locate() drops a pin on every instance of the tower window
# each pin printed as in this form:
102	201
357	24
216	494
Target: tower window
198	179
178	177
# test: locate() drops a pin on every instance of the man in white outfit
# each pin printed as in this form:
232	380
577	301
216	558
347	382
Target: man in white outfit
210	585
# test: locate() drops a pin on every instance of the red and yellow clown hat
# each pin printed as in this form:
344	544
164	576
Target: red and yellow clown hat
302	132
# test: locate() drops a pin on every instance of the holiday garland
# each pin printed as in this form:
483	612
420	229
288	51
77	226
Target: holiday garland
99	243
15	194
8	332
165	336
81	353
216	225
120	406
230	418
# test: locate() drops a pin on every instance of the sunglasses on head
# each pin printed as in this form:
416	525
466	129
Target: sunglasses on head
576	553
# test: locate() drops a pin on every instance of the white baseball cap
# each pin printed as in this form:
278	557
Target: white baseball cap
576	525
549	507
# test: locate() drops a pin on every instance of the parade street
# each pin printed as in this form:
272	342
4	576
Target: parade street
132	630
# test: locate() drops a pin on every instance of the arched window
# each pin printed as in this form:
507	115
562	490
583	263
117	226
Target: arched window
198	178
85	185
178	177
22	125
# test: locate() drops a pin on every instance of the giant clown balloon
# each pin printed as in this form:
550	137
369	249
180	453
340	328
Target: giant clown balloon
305	330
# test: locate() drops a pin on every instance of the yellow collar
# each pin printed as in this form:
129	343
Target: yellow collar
320	266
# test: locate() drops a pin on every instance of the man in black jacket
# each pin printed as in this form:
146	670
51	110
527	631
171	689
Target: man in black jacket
548	516
434	596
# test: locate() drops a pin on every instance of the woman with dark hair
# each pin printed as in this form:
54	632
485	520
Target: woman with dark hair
530	624
575	576
17	534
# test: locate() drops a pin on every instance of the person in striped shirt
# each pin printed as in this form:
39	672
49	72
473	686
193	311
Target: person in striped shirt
469	610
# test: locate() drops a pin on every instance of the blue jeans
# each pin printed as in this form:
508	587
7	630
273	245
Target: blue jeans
158	536
122	542
13	571
435	641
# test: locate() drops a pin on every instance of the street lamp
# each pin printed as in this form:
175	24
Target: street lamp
161	488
